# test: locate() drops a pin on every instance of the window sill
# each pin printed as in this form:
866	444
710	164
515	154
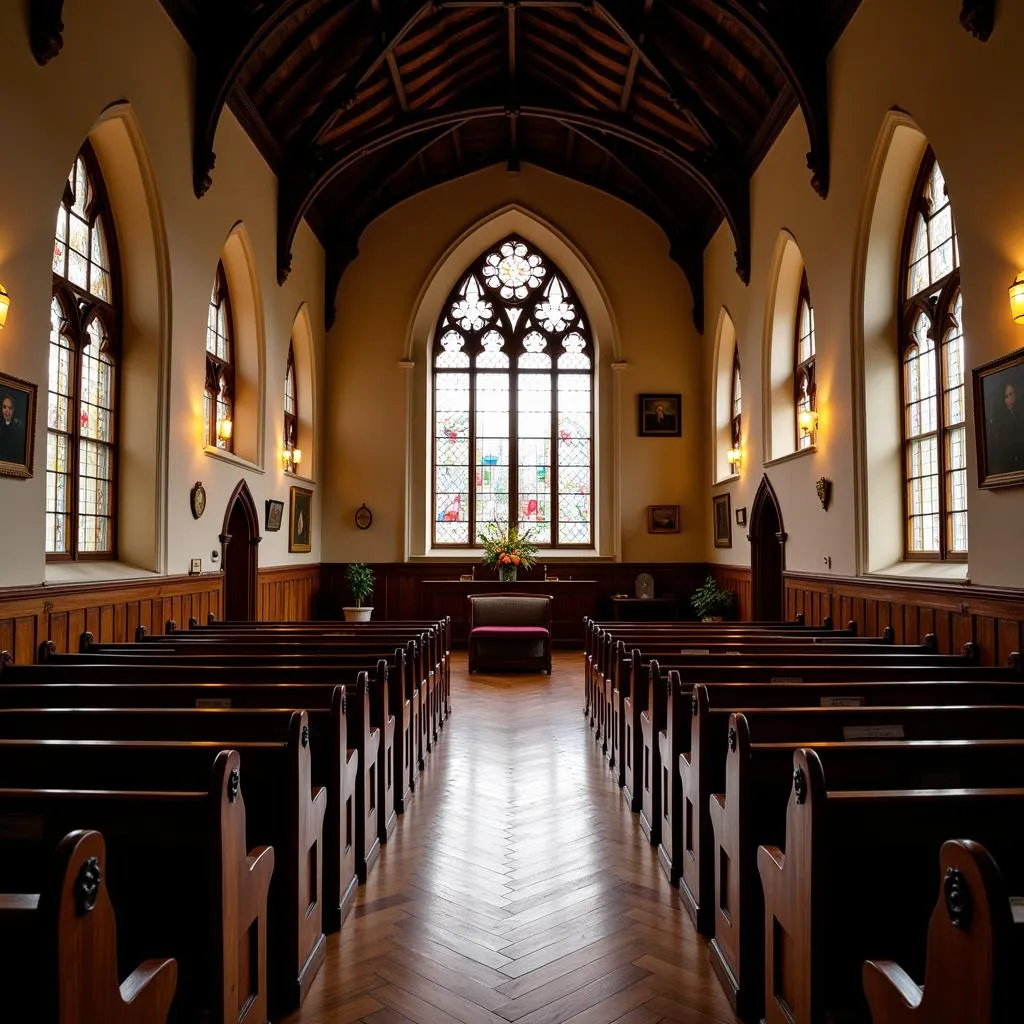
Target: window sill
953	572
231	459
93	572
298	478
792	456
474	556
732	478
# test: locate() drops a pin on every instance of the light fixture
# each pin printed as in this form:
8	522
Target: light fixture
735	457
291	457
1016	299
224	429
807	420
5	304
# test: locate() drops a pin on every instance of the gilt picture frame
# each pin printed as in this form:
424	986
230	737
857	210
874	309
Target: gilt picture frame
659	415
17	426
300	520
722	518
663	519
999	420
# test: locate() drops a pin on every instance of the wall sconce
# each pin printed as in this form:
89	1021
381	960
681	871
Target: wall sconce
291	457
1017	299
807	421
5	304
224	429
735	457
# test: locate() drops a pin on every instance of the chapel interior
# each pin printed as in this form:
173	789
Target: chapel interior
681	288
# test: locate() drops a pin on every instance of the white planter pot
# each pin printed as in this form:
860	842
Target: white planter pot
358	614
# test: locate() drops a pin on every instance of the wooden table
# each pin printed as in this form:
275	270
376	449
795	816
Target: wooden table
643	609
571	601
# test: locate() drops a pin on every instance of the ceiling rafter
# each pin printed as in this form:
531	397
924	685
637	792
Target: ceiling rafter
720	181
46	29
229	38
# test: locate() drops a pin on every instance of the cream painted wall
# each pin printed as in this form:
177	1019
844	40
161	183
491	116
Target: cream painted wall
109	58
649	302
910	54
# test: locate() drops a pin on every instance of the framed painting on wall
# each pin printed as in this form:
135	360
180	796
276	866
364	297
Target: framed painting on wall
17	426
659	415
999	420
300	520
662	518
720	504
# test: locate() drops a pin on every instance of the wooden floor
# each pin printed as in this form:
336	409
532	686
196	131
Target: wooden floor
517	886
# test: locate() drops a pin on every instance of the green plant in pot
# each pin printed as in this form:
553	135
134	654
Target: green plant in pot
711	603
359	577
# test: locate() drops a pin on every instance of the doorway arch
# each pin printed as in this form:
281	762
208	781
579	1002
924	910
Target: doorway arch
239	546
767	538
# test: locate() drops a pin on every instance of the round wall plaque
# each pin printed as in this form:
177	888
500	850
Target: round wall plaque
363	517
197	499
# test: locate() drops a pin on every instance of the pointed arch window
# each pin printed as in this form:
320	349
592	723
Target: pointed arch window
82	411
736	423
805	394
219	397
513	411
291	414
932	357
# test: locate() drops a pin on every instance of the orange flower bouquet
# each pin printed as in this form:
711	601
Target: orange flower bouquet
507	549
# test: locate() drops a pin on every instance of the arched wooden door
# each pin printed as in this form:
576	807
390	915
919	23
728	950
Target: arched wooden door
767	538
239	544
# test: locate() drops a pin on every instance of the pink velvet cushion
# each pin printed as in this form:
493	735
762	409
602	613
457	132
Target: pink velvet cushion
509	631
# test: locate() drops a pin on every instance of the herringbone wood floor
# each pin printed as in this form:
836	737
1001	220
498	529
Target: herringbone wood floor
518	886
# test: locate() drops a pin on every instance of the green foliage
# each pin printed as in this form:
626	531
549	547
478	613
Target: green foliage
507	546
708	600
360	581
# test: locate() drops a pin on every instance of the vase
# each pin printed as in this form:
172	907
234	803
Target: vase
507	573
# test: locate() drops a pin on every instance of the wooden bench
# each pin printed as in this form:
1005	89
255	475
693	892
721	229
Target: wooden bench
59	959
182	878
975	951
856	879
510	631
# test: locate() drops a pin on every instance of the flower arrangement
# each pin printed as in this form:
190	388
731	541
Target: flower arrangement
507	549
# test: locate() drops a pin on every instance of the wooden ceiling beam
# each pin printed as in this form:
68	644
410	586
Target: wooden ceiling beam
46	29
225	41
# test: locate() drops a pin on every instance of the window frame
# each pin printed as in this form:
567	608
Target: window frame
291	419
80	308
804	368
514	348
217	368
938	313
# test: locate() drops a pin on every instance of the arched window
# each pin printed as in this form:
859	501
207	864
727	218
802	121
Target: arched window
513	403
218	404
736	425
804	372
291	414
85	324
932	355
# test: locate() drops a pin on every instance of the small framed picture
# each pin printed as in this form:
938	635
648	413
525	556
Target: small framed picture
999	420
274	514
17	426
195	567
659	415
662	518
741	515
300	520
720	504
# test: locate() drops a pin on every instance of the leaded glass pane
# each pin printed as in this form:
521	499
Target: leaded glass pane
472	311
453	356
289	390
573	356
491	457
492	356
451	458
555	313
534	446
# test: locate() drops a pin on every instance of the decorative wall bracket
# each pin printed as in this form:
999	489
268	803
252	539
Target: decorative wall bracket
824	489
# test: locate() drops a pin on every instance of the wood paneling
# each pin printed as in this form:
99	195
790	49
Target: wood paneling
288	593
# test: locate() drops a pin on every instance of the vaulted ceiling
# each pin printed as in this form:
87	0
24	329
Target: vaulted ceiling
359	104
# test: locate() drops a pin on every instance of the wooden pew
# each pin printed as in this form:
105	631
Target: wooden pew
285	812
749	811
58	949
855	881
975	951
181	876
345	746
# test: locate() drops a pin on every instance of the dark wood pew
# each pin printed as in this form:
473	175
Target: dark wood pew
284	812
856	879
58	949
975	951
184	883
738	823
345	745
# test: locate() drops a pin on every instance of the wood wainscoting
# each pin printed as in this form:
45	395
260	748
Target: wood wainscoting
289	593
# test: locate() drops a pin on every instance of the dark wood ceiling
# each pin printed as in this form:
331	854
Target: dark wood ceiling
359	104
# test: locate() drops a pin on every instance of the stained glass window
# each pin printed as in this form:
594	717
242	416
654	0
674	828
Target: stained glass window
218	400
736	432
81	440
805	399
291	412
932	354
513	372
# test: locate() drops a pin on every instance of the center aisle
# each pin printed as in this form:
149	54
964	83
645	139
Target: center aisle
517	886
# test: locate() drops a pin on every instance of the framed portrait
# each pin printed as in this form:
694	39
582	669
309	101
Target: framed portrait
999	420
17	426
741	516
659	415
720	504
662	518
300	520
274	514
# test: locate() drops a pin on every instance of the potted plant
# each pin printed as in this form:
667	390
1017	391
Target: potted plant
508	550
710	602
359	577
